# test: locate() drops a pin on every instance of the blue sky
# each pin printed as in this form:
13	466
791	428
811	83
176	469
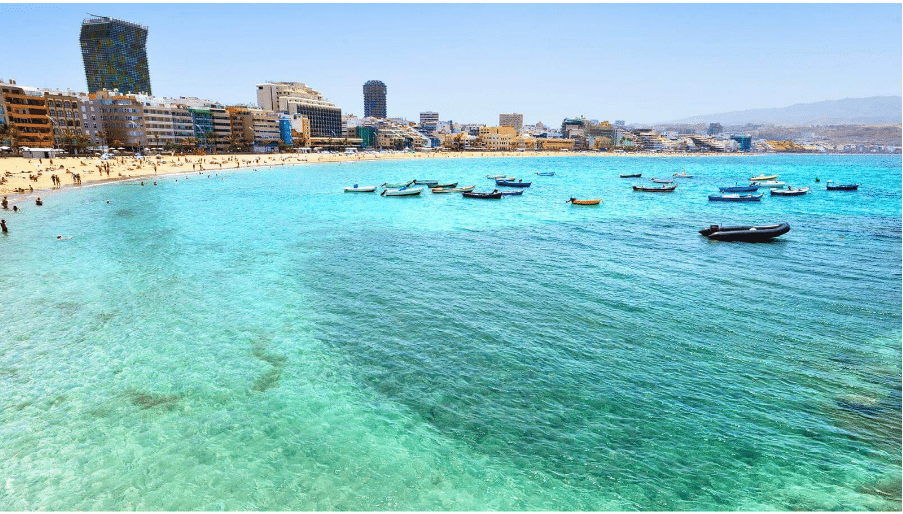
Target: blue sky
641	63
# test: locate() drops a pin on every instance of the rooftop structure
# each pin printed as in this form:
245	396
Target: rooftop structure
115	55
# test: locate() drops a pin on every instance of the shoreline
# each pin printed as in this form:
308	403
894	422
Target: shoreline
17	170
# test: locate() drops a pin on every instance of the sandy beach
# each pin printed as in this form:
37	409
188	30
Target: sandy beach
23	179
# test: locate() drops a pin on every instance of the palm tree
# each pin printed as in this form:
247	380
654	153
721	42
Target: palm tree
211	139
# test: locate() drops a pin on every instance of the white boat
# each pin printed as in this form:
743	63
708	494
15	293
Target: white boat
402	191
769	184
452	190
501	177
682	175
761	178
360	189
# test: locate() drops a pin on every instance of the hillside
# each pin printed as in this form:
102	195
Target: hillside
875	110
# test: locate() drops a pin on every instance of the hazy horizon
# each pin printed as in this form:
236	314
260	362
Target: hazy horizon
644	63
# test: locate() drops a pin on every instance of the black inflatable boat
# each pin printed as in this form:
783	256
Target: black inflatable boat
750	234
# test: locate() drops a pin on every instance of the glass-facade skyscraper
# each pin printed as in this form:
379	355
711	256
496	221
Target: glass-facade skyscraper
115	55
374	99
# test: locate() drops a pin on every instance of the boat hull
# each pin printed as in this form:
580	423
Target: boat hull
735	198
512	193
363	189
546	173
507	183
403	192
452	190
769	184
738	189
630	175
790	192
665	189
662	180
749	234
762	178
594	201
843	187
482	196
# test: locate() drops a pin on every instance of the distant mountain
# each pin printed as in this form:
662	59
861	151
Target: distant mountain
875	110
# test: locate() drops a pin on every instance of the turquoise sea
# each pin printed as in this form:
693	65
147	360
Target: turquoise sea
264	341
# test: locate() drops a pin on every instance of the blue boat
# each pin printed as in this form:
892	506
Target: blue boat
736	198
546	173
512	193
512	184
738	189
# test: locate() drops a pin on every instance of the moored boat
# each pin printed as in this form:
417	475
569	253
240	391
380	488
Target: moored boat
511	183
546	173
501	177
574	201
495	195
662	180
630	175
750	234
734	197
790	191
360	189
452	189
762	178
739	189
769	184
396	186
512	193
447	185
660	189
841	187
430	183
682	175
404	191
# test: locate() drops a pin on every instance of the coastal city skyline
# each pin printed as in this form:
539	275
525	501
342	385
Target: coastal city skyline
609	71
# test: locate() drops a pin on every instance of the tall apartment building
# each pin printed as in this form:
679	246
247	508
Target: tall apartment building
115	55
374	99
512	120
92	123
27	114
123	119
297	98
254	127
429	121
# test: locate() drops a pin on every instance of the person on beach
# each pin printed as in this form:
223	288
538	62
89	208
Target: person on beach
4	203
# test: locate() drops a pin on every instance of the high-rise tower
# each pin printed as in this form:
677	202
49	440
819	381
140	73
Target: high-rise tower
374	99
115	55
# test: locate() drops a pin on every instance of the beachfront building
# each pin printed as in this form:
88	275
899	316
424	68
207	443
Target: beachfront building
554	144
496	138
92	123
25	116
297	98
285	129
256	128
211	127
374	99
115	55
429	121
512	120
123	119
65	115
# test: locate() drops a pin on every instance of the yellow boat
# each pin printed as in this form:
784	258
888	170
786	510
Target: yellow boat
585	202
760	178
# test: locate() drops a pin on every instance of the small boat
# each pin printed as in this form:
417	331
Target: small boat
762	178
446	185
650	189
734	197
841	187
431	183
749	234
512	193
662	180
682	175
360	189
790	191
396	186
546	173
630	175
501	177
495	195
770	184
574	201
402	192
739	189
511	183
452	189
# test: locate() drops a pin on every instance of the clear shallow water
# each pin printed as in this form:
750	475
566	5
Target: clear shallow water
262	341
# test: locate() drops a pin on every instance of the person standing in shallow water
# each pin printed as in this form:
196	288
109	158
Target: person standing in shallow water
3	226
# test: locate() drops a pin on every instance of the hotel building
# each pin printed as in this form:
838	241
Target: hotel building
512	120
374	99
297	98
27	114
